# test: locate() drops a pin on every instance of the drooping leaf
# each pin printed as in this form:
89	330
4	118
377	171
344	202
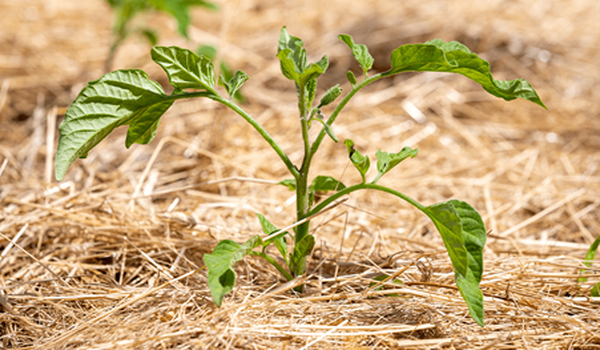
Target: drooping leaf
360	162
330	96
289	183
454	57
589	258
185	69
292	56
123	97
220	263
360	52
234	84
464	236
386	161
280	242
301	250
351	78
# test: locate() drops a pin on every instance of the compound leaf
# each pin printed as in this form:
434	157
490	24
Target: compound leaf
122	97
386	161
463	233
220	263
235	83
360	162
360	52
185	69
454	57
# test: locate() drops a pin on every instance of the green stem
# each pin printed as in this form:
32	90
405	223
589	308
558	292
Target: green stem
274	263
288	163
369	186
302	201
338	109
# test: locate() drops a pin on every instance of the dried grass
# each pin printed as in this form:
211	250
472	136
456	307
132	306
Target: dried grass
112	256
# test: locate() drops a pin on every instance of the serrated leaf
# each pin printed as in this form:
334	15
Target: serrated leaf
589	258
301	250
220	263
330	96
123	97
289	183
292	56
351	78
360	52
387	161
280	242
464	236
235	83
454	57
185	69
360	162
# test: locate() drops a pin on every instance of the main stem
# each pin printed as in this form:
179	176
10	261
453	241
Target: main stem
302	202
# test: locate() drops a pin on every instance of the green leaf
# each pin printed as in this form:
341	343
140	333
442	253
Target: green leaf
454	57
209	51
185	69
328	130
386	161
301	250
595	292
292	56
235	83
179	10
464	236
383	277
220	263
326	183
589	258
280	242
123	97
351	78
289	183
151	36
361	163
330	96
360	52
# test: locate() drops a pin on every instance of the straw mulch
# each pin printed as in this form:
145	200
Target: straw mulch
111	258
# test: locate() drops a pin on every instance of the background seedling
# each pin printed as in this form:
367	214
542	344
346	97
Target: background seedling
129	97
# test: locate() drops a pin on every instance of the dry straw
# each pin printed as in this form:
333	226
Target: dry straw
112	257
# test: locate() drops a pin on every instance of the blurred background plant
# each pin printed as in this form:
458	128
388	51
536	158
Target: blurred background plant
126	10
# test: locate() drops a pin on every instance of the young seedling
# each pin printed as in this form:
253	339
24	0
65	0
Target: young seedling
125	10
589	258
129	97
